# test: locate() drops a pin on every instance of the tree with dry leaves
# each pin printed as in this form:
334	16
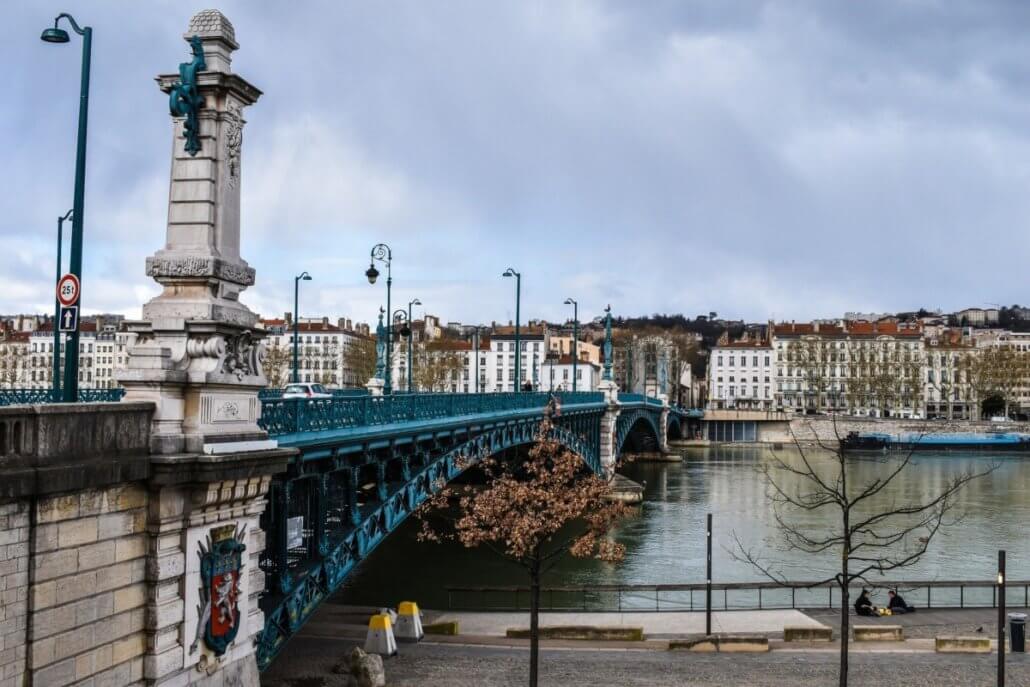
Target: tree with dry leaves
278	365
825	503
525	513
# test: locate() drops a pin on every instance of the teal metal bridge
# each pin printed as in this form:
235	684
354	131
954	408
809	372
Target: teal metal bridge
367	462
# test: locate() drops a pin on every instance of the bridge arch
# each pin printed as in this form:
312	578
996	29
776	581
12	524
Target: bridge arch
406	473
637	431
674	428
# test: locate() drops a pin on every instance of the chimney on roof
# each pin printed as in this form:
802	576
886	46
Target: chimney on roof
288	316
325	320
815	326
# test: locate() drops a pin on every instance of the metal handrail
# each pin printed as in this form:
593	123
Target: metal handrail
295	415
648	597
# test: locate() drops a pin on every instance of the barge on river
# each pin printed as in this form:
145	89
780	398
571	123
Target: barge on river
1007	442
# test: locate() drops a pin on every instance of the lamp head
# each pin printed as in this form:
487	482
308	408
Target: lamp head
416	302
372	273
405	330
509	273
569	301
55	35
306	276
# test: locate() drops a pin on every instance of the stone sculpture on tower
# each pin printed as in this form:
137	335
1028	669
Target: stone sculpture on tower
198	355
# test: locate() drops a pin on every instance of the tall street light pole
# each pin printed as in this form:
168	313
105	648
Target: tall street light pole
510	272
58	35
303	276
56	376
383	254
413	301
575	337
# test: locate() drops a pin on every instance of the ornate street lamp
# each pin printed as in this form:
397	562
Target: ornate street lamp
608	343
510	272
383	254
303	276
59	35
575	337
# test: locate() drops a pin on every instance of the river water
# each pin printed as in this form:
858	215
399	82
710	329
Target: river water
665	540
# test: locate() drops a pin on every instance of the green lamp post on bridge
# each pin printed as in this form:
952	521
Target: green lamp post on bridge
575	337
303	276
413	301
510	272
383	254
59	35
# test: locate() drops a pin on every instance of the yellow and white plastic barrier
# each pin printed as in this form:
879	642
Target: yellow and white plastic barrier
380	639
409	622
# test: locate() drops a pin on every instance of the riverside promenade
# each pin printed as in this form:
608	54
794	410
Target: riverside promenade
481	655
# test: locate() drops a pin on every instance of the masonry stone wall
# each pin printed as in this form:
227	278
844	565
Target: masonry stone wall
14	587
88	593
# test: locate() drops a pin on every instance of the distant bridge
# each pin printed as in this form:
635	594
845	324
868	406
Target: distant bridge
366	462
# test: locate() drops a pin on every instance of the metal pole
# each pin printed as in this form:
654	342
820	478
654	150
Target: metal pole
708	581
1001	618
71	362
56	375
388	385
296	328
518	346
575	340
411	333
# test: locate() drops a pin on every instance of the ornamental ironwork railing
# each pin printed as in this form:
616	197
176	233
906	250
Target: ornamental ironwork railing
19	397
273	392
296	415
631	398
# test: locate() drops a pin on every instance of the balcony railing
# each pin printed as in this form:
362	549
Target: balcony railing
20	397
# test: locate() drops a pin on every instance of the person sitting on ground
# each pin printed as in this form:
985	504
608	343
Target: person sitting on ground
897	604
863	606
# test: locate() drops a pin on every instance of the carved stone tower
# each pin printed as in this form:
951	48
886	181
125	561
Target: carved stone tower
198	356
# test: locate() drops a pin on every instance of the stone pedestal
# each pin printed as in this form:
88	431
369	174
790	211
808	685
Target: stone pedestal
608	424
198	354
663	425
194	504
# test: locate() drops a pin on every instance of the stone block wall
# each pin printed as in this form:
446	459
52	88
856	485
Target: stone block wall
88	593
14	588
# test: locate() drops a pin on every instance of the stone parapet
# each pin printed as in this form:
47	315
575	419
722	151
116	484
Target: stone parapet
48	449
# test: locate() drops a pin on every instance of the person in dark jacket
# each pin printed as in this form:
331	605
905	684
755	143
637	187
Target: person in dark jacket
863	606
897	604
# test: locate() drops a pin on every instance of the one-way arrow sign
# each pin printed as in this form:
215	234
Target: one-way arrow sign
69	319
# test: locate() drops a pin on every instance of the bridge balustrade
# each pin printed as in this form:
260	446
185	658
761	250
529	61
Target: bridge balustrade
17	397
280	417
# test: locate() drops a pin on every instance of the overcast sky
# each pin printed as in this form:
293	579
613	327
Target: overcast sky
780	160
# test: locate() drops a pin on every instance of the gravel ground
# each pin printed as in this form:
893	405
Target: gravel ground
438	665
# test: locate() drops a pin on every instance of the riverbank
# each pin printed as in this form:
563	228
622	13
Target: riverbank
491	661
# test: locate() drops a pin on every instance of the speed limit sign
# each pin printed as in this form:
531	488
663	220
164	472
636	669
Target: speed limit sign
68	290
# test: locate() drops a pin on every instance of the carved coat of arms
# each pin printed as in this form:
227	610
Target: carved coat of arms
221	564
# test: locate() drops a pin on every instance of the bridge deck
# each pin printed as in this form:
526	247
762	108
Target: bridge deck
377	436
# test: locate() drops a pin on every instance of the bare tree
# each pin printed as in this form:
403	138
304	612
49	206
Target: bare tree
359	360
524	515
840	516
277	365
433	366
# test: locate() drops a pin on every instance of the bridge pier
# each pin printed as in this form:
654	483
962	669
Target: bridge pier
608	450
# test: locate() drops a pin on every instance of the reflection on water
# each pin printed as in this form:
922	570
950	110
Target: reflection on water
665	542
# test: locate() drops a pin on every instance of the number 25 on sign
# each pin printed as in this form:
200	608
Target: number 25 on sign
68	290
